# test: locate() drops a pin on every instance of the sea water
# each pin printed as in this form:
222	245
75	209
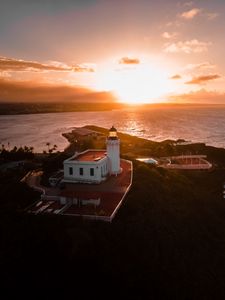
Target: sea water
193	123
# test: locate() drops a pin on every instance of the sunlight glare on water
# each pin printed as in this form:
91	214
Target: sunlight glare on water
204	124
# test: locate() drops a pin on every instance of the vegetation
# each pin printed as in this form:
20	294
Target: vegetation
16	153
132	147
51	164
167	240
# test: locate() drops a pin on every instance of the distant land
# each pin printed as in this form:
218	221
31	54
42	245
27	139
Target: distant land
37	108
7	108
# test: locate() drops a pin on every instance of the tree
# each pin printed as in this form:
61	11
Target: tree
48	144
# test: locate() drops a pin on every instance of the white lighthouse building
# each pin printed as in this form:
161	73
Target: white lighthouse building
94	166
113	151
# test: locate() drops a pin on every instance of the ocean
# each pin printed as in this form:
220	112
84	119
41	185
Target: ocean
190	122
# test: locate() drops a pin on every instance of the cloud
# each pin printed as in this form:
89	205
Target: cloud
4	74
211	16
191	46
11	64
175	23
82	68
201	66
203	79
19	65
167	35
200	96
190	3
129	61
176	76
15	91
190	14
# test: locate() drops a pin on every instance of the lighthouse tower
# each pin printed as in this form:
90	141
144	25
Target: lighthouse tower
113	151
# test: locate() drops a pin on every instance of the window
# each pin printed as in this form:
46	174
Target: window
81	171
70	170
92	171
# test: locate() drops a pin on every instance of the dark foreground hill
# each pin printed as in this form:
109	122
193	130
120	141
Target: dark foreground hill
167	241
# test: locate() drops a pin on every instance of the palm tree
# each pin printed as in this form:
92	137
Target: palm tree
54	148
48	144
14	149
26	149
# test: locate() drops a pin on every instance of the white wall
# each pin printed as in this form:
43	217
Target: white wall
100	170
113	153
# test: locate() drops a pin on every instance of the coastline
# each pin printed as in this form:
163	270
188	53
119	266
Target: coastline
24	108
204	125
133	146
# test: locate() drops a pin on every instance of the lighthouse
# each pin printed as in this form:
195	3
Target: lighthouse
113	151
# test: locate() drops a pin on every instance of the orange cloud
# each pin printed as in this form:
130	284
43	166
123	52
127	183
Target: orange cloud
190	14
176	76
14	91
200	66
192	46
211	16
11	64
203	79
190	3
82	68
167	35
19	65
129	61
200	96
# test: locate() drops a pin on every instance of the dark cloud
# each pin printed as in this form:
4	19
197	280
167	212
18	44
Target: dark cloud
14	91
203	79
176	76
129	61
14	65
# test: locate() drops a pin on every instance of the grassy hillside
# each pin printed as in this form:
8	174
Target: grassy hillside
168	239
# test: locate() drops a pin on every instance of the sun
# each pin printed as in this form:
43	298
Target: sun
136	84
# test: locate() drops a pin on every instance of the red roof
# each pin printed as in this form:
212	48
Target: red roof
91	155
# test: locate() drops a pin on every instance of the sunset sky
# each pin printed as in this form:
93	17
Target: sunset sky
134	51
